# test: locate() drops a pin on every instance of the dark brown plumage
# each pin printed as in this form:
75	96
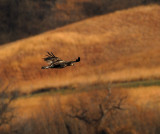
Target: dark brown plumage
55	62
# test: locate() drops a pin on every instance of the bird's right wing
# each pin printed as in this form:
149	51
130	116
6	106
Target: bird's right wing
51	58
77	60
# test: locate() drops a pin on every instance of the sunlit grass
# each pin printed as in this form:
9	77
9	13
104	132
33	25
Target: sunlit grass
113	47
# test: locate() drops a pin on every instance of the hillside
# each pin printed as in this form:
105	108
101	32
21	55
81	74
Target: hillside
24	18
121	46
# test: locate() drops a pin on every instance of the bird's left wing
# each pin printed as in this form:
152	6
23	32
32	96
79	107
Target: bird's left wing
51	58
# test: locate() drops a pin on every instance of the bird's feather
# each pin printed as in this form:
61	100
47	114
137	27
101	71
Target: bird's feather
56	62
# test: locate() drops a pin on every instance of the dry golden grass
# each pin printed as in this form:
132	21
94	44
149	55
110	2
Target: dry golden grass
139	97
120	46
140	115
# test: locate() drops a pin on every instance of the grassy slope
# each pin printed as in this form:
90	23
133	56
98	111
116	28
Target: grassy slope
121	46
21	19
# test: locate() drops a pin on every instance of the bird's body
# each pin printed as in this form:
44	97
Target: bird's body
55	62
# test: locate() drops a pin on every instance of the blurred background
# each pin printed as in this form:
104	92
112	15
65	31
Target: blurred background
114	89
21	19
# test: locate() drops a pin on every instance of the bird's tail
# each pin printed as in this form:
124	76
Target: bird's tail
45	67
78	60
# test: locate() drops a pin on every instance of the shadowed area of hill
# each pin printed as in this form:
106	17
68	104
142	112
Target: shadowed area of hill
121	46
24	18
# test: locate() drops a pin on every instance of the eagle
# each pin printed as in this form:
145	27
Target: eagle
56	62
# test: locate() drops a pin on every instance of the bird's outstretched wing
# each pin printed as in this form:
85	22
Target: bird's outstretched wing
51	58
77	60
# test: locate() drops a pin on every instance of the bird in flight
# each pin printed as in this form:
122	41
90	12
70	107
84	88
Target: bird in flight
56	62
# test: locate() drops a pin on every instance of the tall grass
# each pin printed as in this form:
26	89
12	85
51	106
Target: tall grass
64	115
114	47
